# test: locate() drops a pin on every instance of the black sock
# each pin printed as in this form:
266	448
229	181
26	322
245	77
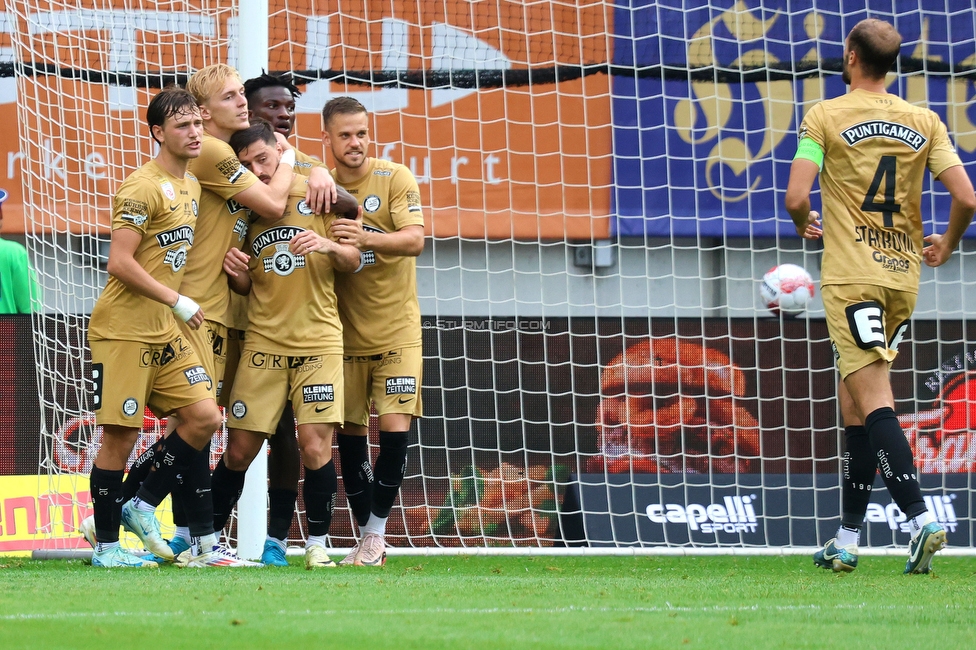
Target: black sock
106	494
391	463
179	512
281	510
860	467
195	495
226	486
139	471
895	461
169	461
357	474
320	490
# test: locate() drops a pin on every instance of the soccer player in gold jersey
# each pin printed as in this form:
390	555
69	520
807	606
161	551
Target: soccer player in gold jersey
140	357
293	346
383	355
228	190
273	97
871	150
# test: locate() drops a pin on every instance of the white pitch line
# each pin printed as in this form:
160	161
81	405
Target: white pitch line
454	611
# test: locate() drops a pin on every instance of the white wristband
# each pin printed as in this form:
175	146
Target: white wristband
185	308
288	158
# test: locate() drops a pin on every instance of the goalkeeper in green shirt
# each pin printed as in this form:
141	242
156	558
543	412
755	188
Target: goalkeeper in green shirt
18	286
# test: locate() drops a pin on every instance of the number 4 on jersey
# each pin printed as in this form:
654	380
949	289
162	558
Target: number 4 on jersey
885	173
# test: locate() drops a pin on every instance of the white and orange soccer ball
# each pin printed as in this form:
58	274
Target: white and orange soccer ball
786	288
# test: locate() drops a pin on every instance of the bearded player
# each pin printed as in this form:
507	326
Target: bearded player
273	97
871	150
293	345
383	362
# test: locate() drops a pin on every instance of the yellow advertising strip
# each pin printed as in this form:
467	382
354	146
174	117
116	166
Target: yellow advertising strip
43	513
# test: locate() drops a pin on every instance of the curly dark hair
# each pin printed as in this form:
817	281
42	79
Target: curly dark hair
271	80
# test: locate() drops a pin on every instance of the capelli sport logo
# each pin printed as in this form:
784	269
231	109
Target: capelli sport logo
733	515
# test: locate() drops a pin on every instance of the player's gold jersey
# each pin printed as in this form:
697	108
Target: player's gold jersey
163	209
378	304
238	304
292	304
876	149
222	224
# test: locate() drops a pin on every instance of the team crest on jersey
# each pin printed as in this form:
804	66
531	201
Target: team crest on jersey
168	190
283	261
303	208
240	229
130	406
175	258
194	207
239	409
372	203
883	129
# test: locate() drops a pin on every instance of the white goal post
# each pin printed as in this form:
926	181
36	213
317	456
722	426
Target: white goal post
603	186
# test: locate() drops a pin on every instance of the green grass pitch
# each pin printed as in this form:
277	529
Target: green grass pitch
493	602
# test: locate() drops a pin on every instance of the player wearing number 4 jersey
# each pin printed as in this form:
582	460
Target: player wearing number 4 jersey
871	149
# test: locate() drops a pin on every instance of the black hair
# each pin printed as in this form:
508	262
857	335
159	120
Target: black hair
271	80
260	130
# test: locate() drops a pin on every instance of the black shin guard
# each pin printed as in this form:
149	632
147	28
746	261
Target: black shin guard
169	461
391	463
860	467
106	494
193	492
895	461
226	486
139	471
320	490
357	474
281	511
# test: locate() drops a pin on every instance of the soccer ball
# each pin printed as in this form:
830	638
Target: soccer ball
786	288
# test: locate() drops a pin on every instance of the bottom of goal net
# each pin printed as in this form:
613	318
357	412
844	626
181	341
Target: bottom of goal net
82	554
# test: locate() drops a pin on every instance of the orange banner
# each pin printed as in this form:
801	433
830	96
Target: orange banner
523	162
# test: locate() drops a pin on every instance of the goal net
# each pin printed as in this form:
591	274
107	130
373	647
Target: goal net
603	187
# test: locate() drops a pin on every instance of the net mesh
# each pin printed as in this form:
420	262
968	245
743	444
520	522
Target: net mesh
603	190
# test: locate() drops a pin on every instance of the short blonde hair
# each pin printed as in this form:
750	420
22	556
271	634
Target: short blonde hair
207	82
